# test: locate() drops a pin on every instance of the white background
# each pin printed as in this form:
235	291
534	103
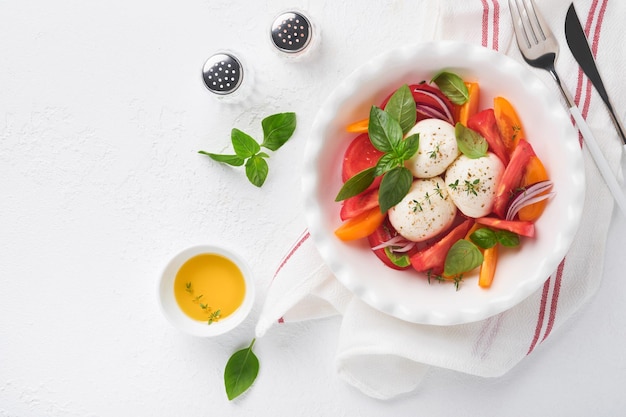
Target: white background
102	112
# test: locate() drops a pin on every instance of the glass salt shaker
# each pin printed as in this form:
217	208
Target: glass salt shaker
225	76
294	35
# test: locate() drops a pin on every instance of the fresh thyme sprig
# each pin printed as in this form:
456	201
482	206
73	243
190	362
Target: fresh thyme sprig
471	187
418	205
456	280
213	316
433	154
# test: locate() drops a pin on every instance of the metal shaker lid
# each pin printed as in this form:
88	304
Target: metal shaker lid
222	73
291	32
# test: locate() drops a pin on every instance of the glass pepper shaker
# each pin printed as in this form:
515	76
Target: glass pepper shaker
293	34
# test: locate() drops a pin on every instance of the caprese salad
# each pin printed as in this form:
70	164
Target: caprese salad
438	185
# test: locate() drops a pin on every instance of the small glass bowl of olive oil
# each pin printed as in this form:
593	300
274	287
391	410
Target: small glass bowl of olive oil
206	290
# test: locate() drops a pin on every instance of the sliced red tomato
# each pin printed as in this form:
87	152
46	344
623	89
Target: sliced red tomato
385	232
356	205
360	155
433	258
512	176
522	228
484	122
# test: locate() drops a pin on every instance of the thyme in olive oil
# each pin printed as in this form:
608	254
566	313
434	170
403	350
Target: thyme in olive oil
212	316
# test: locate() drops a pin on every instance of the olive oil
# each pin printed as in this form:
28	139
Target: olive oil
209	287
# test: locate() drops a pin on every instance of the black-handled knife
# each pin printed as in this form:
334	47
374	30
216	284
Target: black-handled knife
579	45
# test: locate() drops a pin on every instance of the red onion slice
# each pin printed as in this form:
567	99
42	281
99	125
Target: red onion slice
432	112
393	241
442	104
410	245
530	196
399	244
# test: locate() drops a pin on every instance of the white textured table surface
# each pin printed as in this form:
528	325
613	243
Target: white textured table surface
102	112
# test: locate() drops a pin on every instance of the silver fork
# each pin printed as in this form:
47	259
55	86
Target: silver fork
540	49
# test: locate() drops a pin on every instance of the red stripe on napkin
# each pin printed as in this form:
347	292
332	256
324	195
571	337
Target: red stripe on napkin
486	337
496	23
555	299
542	312
303	237
485	22
595	16
490	28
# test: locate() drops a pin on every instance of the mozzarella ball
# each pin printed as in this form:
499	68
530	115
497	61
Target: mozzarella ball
437	148
425	211
472	183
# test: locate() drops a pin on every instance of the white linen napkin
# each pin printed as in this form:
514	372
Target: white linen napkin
384	356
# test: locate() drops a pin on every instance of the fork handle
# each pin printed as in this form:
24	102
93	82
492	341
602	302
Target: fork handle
598	157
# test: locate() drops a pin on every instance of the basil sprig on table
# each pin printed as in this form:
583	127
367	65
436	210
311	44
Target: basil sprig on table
386	131
241	370
277	129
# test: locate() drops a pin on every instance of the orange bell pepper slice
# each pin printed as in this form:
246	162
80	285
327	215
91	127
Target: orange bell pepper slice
358	126
472	229
535	172
361	225
509	123
470	107
488	267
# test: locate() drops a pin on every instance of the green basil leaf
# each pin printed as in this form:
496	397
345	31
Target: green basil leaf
243	144
356	184
277	129
470	142
241	370
452	86
393	187
484	238
257	169
384	131
233	160
401	260
412	144
386	163
401	106
506	238
463	256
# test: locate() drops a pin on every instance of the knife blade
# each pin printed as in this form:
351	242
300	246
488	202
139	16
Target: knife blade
579	46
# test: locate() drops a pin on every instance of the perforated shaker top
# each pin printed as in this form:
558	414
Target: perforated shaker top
291	32
222	73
